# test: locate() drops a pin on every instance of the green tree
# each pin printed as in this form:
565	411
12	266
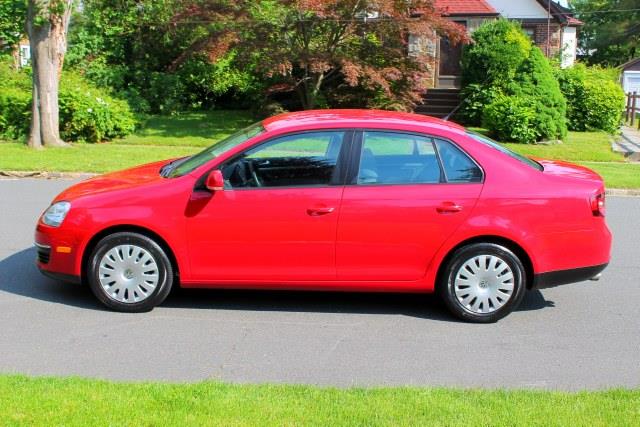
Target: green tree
13	15
159	54
47	25
611	32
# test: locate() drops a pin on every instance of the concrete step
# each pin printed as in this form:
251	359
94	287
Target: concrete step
444	109
436	115
443	91
628	144
446	101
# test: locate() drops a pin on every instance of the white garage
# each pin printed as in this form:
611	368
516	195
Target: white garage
631	76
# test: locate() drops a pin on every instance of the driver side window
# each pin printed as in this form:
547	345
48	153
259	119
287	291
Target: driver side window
297	160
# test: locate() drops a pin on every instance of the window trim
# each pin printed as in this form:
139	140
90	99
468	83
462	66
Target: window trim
337	179
356	154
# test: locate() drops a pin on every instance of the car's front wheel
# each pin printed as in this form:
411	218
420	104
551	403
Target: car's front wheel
129	272
483	282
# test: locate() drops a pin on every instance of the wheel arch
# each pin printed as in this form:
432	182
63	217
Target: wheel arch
132	229
512	245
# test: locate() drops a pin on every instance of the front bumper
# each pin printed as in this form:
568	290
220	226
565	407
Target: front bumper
57	253
62	277
564	277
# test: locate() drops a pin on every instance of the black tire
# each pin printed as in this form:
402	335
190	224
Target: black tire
164	270
446	286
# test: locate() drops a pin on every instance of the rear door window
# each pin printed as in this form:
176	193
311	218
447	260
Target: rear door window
398	158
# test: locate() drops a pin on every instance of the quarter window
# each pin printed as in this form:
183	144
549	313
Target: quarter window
307	159
398	158
458	167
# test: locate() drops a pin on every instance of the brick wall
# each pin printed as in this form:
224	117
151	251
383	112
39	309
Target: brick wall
540	37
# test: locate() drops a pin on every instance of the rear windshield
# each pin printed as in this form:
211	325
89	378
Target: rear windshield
493	144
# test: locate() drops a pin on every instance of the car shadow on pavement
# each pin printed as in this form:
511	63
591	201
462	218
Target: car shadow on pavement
19	276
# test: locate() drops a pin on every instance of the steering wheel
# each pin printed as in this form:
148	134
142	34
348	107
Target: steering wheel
252	172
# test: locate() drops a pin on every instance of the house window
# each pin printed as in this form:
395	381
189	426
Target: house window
25	55
531	32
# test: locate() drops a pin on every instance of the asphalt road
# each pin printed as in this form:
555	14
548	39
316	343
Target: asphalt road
581	336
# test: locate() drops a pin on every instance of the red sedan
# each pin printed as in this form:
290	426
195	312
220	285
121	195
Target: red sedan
349	200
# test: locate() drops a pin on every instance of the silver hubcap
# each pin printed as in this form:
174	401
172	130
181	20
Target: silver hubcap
484	284
128	273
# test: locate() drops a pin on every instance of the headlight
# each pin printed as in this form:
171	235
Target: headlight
56	214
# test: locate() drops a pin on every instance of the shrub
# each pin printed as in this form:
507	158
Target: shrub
15	112
594	98
86	112
206	84
498	49
90	114
502	68
15	100
603	104
476	98
535	81
511	118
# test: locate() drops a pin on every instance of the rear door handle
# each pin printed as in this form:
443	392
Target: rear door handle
319	211
448	207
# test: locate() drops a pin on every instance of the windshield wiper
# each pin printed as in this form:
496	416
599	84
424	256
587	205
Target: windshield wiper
166	170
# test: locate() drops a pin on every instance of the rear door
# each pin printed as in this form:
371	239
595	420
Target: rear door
406	195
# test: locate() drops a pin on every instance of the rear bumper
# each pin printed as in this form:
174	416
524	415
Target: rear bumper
564	277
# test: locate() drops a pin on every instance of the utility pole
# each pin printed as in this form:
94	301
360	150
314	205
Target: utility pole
548	49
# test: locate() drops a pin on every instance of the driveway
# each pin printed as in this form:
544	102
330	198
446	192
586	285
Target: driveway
579	336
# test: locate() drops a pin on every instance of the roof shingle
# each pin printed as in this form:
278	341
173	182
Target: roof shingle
464	7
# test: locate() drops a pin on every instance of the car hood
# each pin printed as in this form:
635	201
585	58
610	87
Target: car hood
569	170
124	179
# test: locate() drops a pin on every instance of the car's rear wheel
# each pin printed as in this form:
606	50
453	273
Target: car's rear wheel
129	272
483	282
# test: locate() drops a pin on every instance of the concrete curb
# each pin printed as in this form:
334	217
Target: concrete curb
45	175
83	175
627	192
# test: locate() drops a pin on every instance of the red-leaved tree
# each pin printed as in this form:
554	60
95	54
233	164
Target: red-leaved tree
307	46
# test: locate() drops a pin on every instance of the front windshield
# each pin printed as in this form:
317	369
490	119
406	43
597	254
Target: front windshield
491	143
186	166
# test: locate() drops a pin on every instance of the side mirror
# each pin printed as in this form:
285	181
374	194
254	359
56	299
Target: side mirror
215	181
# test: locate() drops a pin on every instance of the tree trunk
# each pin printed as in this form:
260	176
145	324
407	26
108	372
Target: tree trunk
47	30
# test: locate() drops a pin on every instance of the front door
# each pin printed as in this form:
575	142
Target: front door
276	219
450	56
410	194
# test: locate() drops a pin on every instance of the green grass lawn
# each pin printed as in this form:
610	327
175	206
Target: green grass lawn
617	175
188	129
50	401
84	157
578	147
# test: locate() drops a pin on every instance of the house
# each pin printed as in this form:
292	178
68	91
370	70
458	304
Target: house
550	25
23	53
630	76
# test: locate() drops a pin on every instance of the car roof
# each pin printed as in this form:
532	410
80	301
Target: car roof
355	118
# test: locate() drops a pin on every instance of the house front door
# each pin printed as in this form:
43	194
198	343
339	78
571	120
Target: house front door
450	56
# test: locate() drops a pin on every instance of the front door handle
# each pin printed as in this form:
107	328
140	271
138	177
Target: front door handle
319	211
448	207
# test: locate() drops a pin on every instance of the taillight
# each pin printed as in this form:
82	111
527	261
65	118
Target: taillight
598	206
